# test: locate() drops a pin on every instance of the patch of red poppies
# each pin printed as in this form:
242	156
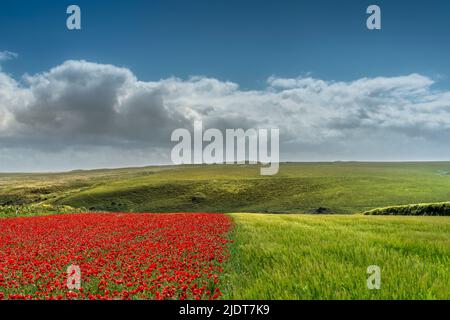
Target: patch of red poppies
120	256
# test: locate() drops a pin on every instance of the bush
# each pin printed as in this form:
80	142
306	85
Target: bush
423	209
198	198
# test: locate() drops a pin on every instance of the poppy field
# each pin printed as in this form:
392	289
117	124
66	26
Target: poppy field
118	255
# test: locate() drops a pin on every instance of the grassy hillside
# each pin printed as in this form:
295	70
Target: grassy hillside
341	187
326	257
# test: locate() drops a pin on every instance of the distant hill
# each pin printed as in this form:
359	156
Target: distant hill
338	187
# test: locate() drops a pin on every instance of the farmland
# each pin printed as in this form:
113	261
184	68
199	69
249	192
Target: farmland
302	234
326	257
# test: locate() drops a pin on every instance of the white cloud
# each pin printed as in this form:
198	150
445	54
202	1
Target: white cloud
86	108
7	55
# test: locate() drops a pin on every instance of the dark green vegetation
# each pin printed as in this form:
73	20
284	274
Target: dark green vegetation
341	187
421	209
326	257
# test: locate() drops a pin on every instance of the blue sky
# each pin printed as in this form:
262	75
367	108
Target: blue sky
111	94
243	41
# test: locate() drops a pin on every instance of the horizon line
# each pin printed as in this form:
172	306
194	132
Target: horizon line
217	164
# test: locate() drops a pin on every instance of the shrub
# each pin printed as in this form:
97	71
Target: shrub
422	209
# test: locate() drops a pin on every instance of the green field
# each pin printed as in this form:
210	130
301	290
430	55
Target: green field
326	257
286	254
340	187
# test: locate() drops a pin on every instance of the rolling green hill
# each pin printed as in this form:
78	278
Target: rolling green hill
339	187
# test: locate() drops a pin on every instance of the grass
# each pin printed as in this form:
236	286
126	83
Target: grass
326	257
36	210
339	187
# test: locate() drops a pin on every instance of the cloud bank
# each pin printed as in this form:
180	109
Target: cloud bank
82	115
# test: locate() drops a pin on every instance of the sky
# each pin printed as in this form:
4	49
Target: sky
110	94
